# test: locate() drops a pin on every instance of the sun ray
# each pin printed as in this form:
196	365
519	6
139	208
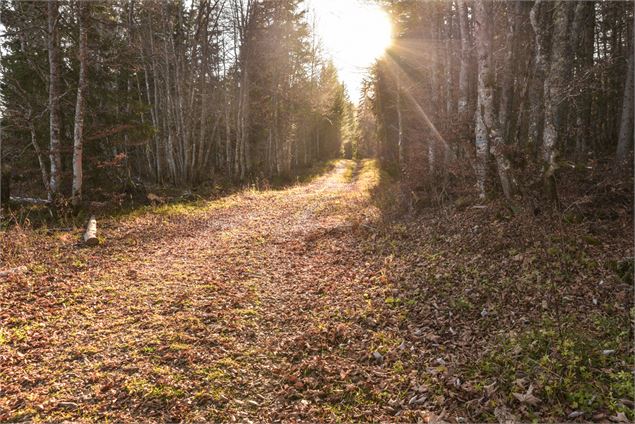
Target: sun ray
395	68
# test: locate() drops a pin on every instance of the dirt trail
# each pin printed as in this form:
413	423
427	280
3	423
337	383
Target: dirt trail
255	307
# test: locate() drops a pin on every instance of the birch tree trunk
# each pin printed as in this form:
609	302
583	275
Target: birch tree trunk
487	127
625	141
40	156
481	145
54	100
463	72
450	102
553	92
80	103
90	235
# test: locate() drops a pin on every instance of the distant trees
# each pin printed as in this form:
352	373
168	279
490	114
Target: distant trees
516	89
170	92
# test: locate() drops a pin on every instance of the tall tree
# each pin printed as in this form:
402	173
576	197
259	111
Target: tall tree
55	155
625	141
536	93
554	93
487	127
583	37
464	67
80	104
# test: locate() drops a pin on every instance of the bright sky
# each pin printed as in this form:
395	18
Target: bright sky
353	33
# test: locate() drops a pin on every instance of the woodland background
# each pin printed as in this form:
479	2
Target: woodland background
103	100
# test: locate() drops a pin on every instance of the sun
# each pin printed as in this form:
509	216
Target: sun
373	37
354	33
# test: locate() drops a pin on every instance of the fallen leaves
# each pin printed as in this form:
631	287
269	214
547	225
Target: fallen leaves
528	397
272	306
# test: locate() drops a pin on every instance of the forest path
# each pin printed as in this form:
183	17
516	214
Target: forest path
253	307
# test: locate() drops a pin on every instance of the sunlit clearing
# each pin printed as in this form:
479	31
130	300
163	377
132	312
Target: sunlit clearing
354	33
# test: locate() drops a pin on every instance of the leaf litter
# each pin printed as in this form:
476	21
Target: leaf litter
315	303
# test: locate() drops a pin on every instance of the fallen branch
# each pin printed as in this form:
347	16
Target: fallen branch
90	236
30	200
59	230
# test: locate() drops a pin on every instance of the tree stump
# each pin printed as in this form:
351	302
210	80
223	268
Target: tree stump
90	236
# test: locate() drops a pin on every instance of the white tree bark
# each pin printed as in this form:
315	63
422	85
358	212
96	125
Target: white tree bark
480	166
463	71
80	104
553	92
54	99
40	156
90	236
487	128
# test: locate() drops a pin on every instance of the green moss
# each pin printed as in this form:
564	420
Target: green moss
246	312
398	367
461	304
12	335
392	301
148	390
228	362
180	346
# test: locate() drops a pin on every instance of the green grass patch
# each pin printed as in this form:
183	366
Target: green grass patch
570	368
152	391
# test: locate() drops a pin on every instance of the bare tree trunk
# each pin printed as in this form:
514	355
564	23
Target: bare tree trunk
625	140
174	174
536	92
583	35
159	147
54	100
450	102
487	126
80	103
203	87
553	92
40	156
228	138
400	141
237	152
436	78
481	144
244	123
463	72
507	85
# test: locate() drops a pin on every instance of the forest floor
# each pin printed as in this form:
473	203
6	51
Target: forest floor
314	303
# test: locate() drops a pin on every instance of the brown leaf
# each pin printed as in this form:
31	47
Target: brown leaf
528	397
